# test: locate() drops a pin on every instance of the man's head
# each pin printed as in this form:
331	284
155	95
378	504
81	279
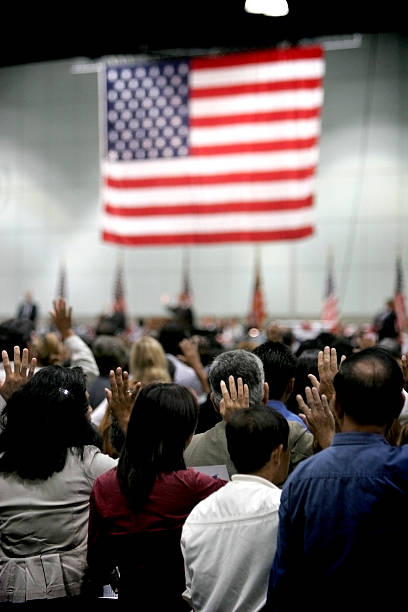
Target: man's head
369	387
257	440
240	364
279	364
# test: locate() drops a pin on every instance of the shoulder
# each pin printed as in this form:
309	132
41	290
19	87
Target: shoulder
96	462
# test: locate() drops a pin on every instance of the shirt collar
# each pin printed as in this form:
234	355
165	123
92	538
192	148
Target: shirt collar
253	478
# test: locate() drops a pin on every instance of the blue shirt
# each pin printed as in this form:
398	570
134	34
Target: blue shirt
288	414
343	526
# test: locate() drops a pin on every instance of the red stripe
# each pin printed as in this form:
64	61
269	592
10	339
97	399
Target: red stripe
167	239
255	147
205	209
214	179
282	115
255	88
256	57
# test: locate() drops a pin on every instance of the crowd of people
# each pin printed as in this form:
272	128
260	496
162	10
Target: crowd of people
174	470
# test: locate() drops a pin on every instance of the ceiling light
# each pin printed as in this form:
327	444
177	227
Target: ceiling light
271	8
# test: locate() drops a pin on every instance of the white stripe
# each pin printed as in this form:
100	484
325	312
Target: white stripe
211	164
256	102
182	224
231	192
258	132
257	73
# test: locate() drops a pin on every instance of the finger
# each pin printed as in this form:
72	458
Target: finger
136	389
320	360
224	391
316	398
232	388
31	369
314	381
17	361
326	356
6	363
303	407
333	359
113	385
246	394
24	360
342	358
240	388
108	395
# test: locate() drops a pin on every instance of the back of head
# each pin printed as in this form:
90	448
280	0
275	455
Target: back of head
110	352
147	361
15	332
163	419
42	420
369	387
239	363
279	364
252	434
170	335
48	349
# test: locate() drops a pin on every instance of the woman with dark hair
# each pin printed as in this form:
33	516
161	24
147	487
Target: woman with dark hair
137	510
48	463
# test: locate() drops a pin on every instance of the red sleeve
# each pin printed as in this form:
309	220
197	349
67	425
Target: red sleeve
205	484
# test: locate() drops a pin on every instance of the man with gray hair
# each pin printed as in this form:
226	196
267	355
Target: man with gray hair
210	447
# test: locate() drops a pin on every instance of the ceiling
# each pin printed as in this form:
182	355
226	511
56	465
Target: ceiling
170	27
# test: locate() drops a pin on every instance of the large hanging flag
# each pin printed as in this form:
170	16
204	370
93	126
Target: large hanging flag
211	149
330	312
258	312
399	298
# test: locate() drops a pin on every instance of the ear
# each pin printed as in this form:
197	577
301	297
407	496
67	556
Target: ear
276	455
291	385
266	393
213	402
338	410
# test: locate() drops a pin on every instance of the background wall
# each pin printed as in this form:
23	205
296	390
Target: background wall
49	201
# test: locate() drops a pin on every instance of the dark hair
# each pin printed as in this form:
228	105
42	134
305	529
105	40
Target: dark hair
42	420
252	434
15	332
170	335
306	364
369	387
279	364
239	363
163	418
110	352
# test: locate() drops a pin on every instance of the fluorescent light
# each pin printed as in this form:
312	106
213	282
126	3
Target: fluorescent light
271	8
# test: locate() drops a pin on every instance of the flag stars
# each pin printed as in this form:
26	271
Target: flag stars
147	110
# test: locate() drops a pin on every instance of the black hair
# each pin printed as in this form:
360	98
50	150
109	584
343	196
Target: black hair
369	387
252	434
42	420
163	418
306	364
15	332
279	364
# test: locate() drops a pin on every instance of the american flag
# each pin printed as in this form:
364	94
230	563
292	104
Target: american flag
330	313
399	298
211	149
258	312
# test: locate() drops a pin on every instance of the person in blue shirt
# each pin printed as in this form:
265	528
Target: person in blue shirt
343	513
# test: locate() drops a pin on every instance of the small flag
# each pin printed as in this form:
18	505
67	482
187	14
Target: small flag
399	298
119	304
258	312
330	314
62	283
185	298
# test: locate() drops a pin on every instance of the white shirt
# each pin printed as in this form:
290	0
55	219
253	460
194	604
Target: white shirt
228	542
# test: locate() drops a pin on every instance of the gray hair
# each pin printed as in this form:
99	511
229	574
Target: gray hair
239	363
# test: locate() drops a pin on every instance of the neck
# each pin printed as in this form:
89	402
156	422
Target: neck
349	426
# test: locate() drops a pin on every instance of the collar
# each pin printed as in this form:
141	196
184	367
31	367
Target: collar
349	438
253	478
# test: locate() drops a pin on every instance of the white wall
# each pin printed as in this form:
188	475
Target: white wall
49	201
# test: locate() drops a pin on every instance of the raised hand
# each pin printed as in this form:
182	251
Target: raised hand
234	398
62	318
318	417
327	367
22	371
121	397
